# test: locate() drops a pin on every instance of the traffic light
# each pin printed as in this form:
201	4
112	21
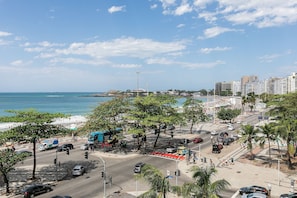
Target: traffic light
67	151
102	174
86	155
55	161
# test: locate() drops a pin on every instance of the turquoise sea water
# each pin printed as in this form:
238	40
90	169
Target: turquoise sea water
66	102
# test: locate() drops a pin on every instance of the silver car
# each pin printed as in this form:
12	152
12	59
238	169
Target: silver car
78	170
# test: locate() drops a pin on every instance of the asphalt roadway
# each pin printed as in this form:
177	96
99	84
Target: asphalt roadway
238	174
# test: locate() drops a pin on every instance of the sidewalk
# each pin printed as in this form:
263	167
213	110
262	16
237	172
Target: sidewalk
243	174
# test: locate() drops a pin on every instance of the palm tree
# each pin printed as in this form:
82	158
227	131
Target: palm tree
249	134
251	99
243	102
269	134
202	187
158	182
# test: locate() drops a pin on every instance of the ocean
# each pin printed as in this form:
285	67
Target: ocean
81	103
68	103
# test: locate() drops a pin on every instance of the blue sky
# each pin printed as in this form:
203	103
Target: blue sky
102	45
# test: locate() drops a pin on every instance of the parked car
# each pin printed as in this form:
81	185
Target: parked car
197	140
171	149
64	147
216	148
293	195
24	152
184	141
84	147
138	166
35	189
254	195
253	189
213	133
78	170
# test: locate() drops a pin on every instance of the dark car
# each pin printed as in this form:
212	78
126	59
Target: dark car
216	148
197	140
65	147
228	141
36	189
138	166
253	189
294	195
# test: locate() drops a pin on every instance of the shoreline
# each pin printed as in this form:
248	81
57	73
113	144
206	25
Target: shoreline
75	121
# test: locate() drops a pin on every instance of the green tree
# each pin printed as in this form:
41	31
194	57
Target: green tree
152	112
228	114
159	184
7	161
203	185
249	134
284	109
108	116
193	112
35	125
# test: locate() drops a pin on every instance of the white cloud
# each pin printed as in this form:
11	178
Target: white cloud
99	53
180	25
269	58
203	65
127	66
215	31
167	3
5	33
17	62
154	6
202	3
122	47
264	13
164	61
113	9
208	16
209	50
182	9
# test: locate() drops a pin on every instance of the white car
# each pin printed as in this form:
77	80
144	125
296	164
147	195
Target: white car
214	133
84	147
171	150
78	170
230	128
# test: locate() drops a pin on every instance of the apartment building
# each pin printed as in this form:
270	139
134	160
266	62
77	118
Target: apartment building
248	84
